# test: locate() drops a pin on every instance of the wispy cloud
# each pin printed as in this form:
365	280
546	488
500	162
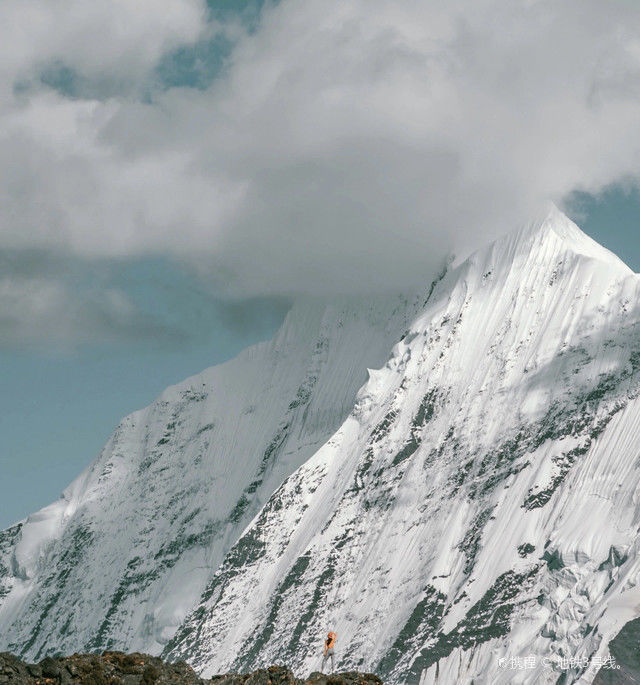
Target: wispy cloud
48	301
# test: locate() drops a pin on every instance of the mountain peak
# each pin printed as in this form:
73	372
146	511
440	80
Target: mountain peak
543	241
554	221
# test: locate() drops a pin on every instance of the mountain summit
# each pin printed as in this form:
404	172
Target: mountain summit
471	507
554	221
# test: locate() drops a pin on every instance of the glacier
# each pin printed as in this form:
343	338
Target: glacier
449	480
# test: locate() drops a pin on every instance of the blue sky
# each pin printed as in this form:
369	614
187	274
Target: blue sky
613	219
58	408
169	188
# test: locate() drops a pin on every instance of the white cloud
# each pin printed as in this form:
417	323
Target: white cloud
45	312
103	38
347	144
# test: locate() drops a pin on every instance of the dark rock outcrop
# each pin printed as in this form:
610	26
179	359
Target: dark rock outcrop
626	657
116	668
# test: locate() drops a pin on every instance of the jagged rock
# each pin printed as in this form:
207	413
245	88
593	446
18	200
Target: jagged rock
274	675
626	659
109	668
116	668
12	670
349	678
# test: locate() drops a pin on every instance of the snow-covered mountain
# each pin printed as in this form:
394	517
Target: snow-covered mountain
475	502
120	559
476	517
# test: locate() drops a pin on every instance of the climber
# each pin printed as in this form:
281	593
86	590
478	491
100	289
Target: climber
329	644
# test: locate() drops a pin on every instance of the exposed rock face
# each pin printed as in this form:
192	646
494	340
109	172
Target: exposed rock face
625	650
116	668
109	668
277	675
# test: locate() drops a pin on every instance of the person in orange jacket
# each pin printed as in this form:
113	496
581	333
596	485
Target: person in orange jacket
329	644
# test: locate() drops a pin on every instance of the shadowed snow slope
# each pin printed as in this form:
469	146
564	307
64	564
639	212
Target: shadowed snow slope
479	502
124	554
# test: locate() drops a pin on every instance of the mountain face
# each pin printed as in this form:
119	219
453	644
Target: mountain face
469	514
476	517
125	553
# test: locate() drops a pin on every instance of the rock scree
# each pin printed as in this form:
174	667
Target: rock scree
116	668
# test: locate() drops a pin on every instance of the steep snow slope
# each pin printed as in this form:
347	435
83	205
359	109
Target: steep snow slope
481	502
124	554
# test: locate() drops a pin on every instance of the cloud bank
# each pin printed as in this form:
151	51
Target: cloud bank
344	145
63	303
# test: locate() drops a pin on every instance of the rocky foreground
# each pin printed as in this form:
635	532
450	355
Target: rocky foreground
116	668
